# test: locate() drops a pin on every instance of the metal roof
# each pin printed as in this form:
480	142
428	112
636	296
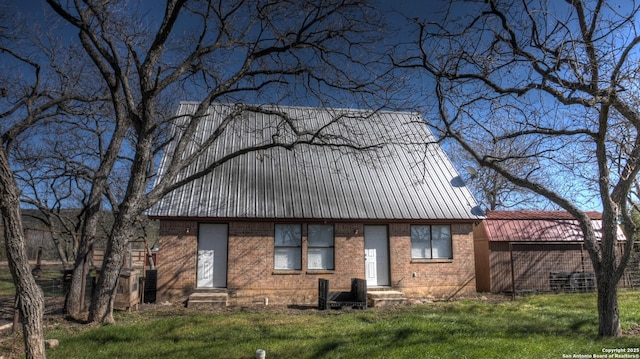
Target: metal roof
407	177
538	226
538	215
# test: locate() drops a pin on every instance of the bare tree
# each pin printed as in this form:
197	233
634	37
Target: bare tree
29	295
33	94
233	51
564	76
56	170
494	191
56	165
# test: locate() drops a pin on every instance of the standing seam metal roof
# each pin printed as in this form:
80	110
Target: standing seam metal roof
408	177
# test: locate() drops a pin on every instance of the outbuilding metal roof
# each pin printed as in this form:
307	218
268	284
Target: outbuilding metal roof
403	175
538	226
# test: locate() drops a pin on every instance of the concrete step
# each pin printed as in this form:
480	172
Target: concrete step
207	300
385	298
209	290
385	294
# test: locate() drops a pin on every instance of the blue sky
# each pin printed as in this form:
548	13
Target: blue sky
411	8
395	11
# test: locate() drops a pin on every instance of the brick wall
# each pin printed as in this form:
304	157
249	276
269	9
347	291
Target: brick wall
177	259
251	276
426	278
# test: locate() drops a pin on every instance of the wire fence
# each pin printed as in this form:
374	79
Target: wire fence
525	268
40	238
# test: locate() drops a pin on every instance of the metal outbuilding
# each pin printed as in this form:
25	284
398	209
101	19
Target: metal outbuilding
533	251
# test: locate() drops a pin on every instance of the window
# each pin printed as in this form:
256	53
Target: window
431	242
320	248
288	239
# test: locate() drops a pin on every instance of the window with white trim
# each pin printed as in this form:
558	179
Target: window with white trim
320	249
431	242
288	246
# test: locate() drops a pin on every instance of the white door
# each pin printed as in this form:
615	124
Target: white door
376	251
205	268
212	256
371	269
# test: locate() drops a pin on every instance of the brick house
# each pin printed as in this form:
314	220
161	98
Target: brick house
533	251
265	226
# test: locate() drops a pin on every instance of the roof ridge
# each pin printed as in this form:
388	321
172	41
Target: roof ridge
358	109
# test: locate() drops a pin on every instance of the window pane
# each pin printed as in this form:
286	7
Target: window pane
420	242
441	241
287	258
288	238
320	235
288	235
320	250
320	258
421	250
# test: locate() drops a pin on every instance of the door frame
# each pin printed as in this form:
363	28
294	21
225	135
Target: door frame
383	266
216	259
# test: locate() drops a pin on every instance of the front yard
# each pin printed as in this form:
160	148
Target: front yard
540	326
537	326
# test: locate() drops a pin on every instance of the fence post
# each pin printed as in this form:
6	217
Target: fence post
260	354
513	274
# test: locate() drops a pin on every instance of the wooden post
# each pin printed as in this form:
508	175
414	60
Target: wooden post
37	271
149	257
513	274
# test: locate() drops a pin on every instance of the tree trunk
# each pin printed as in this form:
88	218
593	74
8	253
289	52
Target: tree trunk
31	307
29	295
101	309
609	271
608	313
60	249
75	300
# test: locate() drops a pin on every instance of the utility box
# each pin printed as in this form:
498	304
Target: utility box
127	290
150	285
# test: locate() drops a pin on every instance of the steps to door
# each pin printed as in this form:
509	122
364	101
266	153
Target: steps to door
384	298
207	299
218	298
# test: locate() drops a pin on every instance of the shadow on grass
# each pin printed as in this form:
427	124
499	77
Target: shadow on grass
462	329
456	325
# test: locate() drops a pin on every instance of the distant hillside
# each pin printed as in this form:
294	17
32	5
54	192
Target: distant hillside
40	235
